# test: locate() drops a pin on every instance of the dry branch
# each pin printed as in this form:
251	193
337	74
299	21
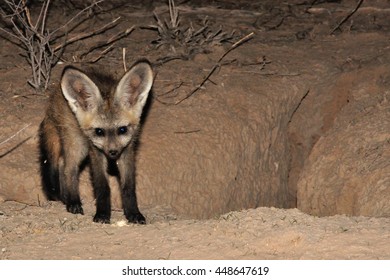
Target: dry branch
186	40
38	42
15	134
347	17
101	54
88	34
124	59
15	146
110	43
88	8
216	66
35	38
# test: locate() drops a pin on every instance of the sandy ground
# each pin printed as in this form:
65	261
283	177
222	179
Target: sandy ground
264	233
47	231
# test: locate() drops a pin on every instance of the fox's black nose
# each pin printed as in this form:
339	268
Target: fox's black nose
113	153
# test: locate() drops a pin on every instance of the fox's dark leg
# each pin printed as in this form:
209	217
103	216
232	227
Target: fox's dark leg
49	176
126	167
48	159
50	179
69	185
101	187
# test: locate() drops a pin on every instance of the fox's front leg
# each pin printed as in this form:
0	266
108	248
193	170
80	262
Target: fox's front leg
69	186
101	187
126	167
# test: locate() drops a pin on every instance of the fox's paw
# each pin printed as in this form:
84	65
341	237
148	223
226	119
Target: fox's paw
136	218
101	218
75	208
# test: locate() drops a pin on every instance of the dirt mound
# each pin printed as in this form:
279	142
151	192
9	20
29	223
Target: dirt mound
348	170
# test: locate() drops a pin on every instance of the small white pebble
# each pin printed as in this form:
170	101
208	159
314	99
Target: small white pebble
121	223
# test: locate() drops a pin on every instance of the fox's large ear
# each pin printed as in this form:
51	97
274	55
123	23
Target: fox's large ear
133	89
79	90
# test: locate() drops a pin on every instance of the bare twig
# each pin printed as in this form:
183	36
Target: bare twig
236	44
101	54
110	41
76	16
88	34
44	15
124	59
14	135
186	40
166	93
165	59
174	14
216	66
299	104
347	17
120	35
187	132
38	41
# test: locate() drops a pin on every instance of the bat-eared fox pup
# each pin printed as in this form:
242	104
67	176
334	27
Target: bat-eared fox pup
94	118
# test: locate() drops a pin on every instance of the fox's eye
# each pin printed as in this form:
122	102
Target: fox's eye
122	130
99	132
